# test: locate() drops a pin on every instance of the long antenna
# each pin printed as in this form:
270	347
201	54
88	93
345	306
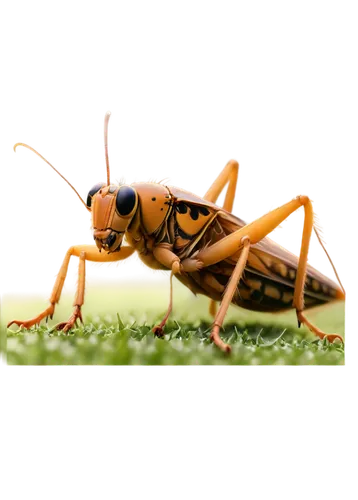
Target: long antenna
106	141
26	146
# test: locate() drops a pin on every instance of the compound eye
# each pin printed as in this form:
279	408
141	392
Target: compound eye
126	200
93	191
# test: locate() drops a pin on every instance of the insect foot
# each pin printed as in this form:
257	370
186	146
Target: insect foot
215	337
65	326
332	337
158	331
34	321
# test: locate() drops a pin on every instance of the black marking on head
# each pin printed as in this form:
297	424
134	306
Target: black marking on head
125	200
181	208
153	199
93	191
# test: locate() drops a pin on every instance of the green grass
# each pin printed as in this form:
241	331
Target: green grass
118	324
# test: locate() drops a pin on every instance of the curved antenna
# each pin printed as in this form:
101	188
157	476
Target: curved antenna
106	142
22	144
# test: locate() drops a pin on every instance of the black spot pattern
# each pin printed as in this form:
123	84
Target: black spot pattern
195	210
181	208
204	211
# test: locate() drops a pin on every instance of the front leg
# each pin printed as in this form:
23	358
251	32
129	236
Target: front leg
54	299
65	326
90	252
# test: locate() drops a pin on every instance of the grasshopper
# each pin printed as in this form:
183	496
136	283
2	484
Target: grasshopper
206	247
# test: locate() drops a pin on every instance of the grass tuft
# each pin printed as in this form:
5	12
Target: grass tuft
100	343
122	335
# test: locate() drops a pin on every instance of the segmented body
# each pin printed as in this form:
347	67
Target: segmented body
188	223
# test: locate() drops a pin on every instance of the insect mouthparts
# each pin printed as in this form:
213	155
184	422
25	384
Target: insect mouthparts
110	240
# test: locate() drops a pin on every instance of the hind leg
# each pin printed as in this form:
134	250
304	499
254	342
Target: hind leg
229	175
258	230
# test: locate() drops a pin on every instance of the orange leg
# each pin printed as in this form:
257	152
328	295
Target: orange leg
258	230
85	252
228	175
165	255
158	329
65	326
212	308
228	295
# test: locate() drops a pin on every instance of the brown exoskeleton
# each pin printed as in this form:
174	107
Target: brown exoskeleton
205	247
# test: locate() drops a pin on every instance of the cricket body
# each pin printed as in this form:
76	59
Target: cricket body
208	249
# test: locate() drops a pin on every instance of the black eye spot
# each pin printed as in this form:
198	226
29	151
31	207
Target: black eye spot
181	208
93	191
125	200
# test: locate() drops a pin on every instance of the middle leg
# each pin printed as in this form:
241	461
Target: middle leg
158	329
